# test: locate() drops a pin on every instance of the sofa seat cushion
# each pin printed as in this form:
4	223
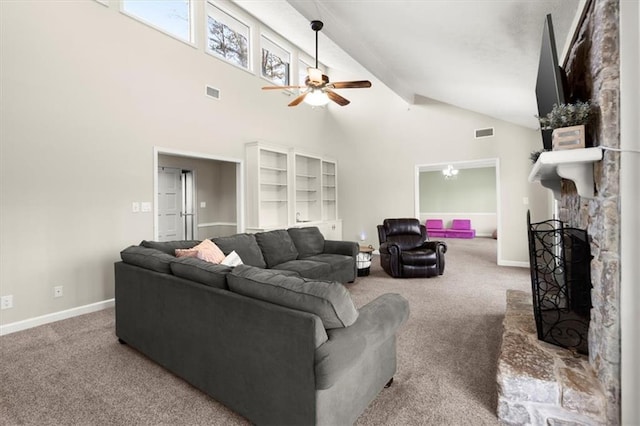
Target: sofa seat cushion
421	257
245	245
336	261
307	268
436	233
309	241
329	300
201	271
461	233
170	247
148	258
277	247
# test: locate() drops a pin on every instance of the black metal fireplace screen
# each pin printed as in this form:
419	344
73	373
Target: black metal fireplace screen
561	283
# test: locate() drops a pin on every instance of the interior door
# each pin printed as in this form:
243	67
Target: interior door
169	204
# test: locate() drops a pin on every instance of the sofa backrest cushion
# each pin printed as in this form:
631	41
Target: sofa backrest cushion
406	233
401	227
309	241
461	224
434	224
329	300
245	246
148	258
170	247
201	271
277	247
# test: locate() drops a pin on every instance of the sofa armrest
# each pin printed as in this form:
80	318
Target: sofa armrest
347	248
437	246
377	322
440	248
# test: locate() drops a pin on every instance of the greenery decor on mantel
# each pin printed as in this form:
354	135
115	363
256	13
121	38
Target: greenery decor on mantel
568	124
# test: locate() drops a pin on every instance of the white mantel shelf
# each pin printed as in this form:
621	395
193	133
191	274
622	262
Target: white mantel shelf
572	164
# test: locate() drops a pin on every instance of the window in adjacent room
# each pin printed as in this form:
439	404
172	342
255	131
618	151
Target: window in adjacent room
275	62
227	37
170	16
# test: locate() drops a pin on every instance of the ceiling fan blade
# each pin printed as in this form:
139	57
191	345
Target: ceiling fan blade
337	98
282	87
299	99
350	84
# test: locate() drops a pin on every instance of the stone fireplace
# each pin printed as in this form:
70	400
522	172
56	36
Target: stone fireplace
593	71
581	390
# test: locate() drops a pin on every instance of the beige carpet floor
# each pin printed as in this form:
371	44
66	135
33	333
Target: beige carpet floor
74	372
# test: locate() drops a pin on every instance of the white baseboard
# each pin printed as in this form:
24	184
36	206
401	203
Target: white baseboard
513	263
56	316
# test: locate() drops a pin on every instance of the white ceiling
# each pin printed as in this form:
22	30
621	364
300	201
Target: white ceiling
481	55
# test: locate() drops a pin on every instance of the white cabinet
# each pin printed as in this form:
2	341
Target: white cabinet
331	230
267	187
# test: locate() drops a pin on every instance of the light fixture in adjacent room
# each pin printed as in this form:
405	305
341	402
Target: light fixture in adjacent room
450	172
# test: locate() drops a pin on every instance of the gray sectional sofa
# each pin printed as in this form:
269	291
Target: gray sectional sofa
272	339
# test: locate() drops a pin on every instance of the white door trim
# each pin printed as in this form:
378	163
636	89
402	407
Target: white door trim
181	153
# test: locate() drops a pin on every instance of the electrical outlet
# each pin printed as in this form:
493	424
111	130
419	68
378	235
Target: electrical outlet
57	291
7	302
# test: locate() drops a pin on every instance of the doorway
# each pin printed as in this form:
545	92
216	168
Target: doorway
196	196
488	221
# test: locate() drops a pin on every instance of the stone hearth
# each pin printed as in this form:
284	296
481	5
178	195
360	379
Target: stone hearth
539	383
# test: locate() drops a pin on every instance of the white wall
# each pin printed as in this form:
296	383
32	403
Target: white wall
383	139
87	93
630	209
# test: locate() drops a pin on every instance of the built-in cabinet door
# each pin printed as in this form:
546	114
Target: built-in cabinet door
331	230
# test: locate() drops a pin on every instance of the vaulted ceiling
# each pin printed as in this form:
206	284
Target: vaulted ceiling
481	55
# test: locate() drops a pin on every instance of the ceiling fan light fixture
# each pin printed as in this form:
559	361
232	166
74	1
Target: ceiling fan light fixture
315	75
316	97
317	89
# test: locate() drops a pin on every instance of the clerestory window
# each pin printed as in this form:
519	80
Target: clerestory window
227	37
170	16
275	62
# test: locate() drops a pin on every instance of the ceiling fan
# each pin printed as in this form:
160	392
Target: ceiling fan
318	90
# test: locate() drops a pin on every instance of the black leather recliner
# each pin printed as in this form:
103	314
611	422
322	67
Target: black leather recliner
406	252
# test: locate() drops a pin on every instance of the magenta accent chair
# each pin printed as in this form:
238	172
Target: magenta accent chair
435	228
460	228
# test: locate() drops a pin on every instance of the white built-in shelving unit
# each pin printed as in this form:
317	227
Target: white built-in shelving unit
329	190
289	188
307	187
267	187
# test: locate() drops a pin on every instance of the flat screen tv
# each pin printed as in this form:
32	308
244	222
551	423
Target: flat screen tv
550	82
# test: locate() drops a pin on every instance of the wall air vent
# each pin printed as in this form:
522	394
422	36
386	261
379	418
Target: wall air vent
484	133
212	92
